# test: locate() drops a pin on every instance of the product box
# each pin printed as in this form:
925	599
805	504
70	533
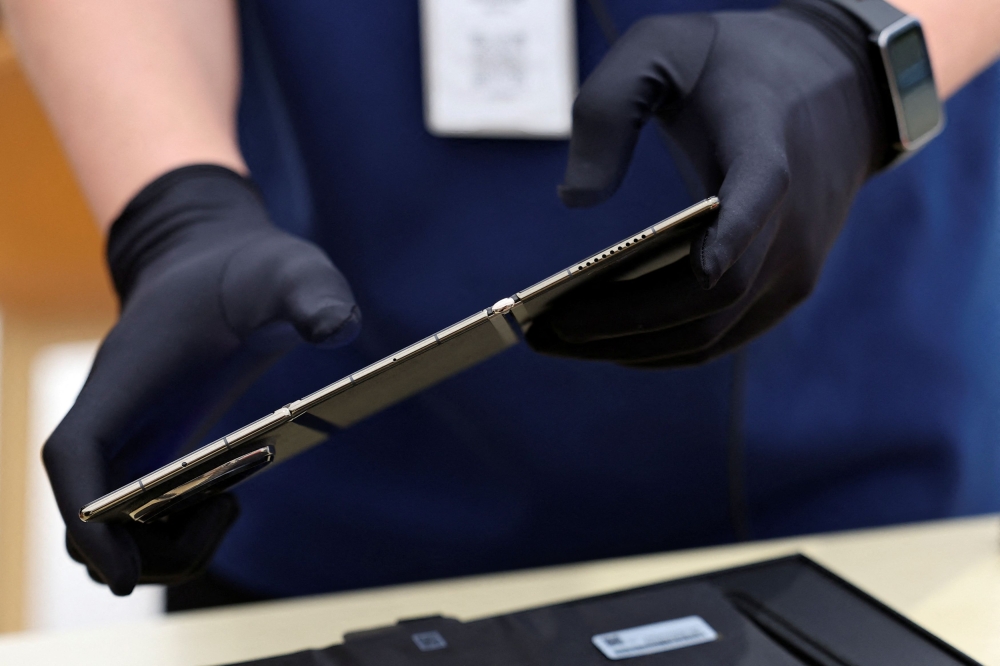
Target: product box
783	612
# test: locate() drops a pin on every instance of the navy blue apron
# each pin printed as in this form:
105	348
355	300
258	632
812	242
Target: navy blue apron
875	402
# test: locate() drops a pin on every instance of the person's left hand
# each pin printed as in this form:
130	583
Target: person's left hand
775	110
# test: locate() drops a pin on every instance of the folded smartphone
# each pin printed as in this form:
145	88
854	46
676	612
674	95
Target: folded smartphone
310	421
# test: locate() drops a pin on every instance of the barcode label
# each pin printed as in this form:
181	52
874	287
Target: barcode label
653	638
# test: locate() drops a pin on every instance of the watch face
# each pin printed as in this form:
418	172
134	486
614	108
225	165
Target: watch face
918	109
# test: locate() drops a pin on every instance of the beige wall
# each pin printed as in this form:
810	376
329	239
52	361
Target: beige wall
53	288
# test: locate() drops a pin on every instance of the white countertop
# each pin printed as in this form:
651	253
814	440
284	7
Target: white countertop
943	575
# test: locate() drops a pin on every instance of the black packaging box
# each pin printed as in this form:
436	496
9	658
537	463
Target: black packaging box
783	612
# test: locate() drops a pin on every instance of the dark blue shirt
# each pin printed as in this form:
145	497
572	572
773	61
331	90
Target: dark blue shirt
877	401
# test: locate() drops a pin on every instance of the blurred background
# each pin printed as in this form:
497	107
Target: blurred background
56	302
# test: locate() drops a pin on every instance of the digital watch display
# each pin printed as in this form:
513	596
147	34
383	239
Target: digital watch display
909	77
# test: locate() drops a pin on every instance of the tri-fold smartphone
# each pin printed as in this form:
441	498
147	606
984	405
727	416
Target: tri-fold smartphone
311	420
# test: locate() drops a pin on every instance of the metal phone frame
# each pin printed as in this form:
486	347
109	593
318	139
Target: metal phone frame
509	317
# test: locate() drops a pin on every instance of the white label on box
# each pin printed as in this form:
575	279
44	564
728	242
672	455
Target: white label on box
499	68
653	638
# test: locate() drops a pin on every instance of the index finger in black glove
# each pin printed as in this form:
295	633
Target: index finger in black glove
176	548
212	294
774	110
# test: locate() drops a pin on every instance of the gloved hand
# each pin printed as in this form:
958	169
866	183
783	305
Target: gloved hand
777	111
212	293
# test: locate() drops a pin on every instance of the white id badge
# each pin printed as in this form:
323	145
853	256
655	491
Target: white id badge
499	68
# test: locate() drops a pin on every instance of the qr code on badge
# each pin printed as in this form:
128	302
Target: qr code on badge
499	61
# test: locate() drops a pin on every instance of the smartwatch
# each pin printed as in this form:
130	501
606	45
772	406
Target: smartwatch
900	53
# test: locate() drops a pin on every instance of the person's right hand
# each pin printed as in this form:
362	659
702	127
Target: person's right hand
212	293
778	112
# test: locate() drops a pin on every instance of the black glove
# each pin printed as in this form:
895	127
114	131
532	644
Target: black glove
212	293
778	112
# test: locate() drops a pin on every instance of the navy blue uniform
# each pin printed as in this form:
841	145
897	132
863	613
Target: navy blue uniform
877	401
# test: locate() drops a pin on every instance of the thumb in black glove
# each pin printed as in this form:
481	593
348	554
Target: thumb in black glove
212	294
777	111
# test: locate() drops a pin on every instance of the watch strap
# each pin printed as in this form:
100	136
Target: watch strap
876	14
